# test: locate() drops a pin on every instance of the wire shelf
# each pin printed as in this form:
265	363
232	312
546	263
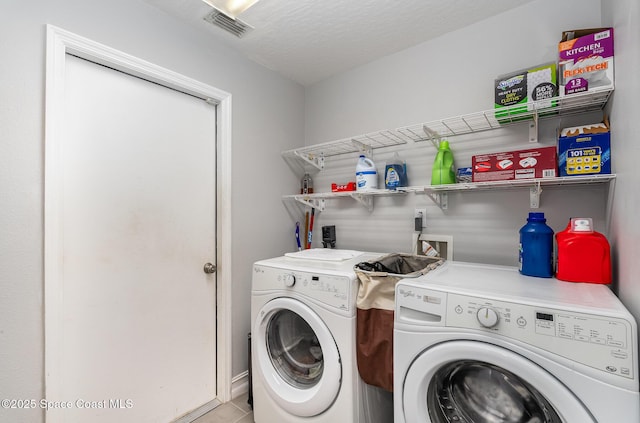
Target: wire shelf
360	143
566	180
438	193
459	125
516	114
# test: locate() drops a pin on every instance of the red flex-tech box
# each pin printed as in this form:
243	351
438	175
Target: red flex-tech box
521	164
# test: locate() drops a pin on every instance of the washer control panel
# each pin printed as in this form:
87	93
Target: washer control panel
332	290
598	341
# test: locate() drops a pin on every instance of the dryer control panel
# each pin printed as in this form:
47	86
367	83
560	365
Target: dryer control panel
602	342
335	291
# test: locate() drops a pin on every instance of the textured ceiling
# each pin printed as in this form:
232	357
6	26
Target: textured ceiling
311	40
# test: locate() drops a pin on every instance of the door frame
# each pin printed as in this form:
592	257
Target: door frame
60	43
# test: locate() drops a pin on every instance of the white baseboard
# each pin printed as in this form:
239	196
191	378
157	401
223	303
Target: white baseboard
240	384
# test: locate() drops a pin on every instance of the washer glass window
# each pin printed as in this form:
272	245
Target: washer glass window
478	392
294	349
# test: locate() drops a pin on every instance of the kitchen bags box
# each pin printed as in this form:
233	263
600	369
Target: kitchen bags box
521	164
585	61
522	88
585	150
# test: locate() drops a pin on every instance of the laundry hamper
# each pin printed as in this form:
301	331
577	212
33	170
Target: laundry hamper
375	311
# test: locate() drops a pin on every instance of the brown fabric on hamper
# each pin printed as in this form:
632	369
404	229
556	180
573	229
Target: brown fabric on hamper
374	334
375	312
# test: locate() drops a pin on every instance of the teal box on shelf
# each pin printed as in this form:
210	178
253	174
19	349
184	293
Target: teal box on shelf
585	150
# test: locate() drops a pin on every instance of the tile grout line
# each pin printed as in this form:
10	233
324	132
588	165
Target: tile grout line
243	411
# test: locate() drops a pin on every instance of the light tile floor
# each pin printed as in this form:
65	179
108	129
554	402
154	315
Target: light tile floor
235	411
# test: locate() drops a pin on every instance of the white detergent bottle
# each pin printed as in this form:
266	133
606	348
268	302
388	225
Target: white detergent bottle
366	174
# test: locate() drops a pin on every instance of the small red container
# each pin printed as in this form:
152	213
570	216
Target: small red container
583	254
349	186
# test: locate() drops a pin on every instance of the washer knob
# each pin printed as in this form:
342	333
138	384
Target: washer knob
487	317
289	280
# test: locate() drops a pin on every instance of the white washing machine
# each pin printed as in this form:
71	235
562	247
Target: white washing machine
304	368
483	344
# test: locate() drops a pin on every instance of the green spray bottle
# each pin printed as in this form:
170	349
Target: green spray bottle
443	171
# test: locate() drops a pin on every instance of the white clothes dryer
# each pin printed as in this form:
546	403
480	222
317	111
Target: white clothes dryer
304	369
483	344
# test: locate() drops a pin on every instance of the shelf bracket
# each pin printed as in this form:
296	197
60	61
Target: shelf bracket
315	203
363	148
441	199
534	196
533	128
317	162
434	137
365	200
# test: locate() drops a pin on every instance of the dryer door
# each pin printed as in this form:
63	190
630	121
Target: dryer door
298	357
475	382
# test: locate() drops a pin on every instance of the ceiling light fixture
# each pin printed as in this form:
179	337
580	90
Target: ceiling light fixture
231	8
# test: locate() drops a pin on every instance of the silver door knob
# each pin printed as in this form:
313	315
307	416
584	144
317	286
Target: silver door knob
210	268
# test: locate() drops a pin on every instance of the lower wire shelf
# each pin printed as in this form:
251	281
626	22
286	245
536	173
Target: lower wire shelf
365	198
438	193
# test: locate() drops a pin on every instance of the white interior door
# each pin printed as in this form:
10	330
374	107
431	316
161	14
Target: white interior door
137	332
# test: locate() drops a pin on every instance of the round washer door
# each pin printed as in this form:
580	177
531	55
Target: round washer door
298	357
475	382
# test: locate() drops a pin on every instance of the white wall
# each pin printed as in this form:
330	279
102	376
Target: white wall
624	17
445	77
267	118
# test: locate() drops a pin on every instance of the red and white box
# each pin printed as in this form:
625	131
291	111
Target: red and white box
521	164
349	186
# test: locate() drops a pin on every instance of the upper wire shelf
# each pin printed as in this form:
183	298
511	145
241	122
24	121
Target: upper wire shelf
465	124
516	114
315	154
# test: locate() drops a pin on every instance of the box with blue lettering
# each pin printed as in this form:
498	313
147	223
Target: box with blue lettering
585	150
